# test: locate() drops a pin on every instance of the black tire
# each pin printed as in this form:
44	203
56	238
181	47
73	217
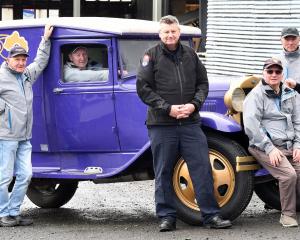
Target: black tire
46	193
11	185
268	192
232	197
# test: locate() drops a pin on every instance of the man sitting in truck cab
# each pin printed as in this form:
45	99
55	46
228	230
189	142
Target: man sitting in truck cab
80	69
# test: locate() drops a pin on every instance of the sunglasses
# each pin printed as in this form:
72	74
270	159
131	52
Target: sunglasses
270	71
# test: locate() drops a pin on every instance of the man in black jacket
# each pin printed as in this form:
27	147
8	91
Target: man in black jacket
173	83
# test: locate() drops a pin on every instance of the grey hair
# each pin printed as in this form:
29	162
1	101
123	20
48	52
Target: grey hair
169	19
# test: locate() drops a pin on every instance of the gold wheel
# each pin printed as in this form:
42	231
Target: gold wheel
224	180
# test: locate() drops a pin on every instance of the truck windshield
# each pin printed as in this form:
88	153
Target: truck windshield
131	51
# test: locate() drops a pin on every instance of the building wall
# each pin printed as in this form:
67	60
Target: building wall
14	9
242	34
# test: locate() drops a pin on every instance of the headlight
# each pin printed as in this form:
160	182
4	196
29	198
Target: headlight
234	99
238	97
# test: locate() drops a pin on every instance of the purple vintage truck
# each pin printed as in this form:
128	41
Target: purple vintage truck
90	130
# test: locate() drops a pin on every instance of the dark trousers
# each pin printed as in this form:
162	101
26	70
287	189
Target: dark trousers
168	143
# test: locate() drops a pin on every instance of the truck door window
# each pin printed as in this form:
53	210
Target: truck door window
85	63
131	51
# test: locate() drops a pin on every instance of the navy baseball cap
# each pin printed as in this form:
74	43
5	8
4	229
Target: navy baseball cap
16	51
289	31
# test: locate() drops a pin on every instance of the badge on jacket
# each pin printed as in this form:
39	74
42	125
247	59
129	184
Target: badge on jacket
146	60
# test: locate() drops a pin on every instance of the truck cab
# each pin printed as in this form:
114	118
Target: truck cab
94	129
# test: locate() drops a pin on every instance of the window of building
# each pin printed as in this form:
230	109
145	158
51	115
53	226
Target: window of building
7	14
108	0
40	13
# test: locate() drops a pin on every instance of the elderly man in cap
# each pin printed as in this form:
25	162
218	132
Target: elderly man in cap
16	126
272	123
290	56
79	69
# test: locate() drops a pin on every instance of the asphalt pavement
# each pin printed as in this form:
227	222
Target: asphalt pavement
126	211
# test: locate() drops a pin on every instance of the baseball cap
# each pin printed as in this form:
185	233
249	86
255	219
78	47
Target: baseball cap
73	50
17	50
271	62
289	31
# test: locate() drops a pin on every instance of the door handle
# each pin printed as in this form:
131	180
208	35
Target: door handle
58	90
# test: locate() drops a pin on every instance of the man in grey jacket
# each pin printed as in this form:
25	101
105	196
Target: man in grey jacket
16	127
290	55
79	69
272	123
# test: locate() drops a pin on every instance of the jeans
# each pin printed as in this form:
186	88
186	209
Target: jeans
15	157
168	143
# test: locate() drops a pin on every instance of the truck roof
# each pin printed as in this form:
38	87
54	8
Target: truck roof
118	26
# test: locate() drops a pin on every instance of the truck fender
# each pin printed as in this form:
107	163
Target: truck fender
219	122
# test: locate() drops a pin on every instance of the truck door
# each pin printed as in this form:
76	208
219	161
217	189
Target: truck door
83	99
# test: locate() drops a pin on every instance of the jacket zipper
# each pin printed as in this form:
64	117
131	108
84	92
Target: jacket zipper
9	120
180	84
26	130
25	98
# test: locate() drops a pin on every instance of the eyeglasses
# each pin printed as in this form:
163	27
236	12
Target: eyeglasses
270	71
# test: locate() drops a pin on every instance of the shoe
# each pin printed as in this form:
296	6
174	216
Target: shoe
287	221
21	221
218	223
8	221
268	207
167	225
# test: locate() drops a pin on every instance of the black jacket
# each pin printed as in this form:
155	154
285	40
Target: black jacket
297	87
167	78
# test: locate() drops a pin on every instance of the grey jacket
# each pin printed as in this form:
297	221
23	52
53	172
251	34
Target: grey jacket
92	73
291	63
16	100
270	120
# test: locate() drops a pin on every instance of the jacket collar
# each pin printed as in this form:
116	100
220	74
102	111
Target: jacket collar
176	55
7	68
292	55
283	90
